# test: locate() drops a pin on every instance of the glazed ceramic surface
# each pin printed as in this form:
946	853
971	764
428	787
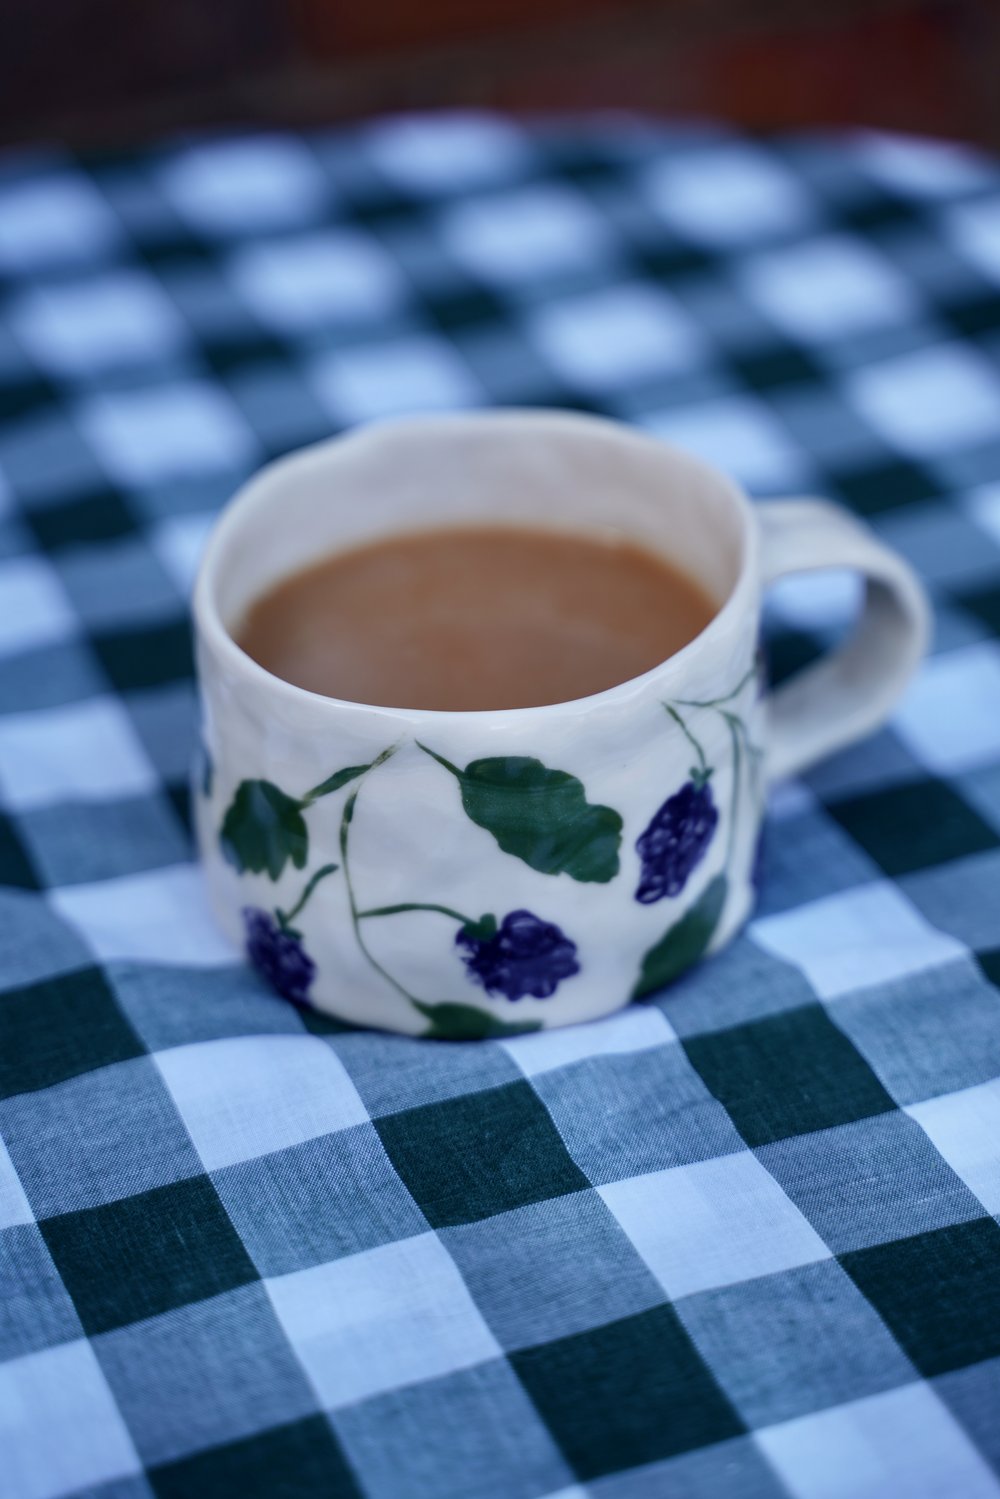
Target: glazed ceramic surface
471	874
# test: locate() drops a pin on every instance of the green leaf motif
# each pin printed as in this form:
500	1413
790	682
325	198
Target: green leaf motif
541	816
684	942
334	782
263	829
451	1022
483	930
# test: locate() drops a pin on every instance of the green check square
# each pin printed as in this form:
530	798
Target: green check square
771	368
173	250
984	604
249	345
465	307
884	486
16	868
882	212
633	1391
148	656
25	395
302	1460
179	796
60	1028
989	962
144	1255
938	1293
671	261
974	315
383	209
787	1074
913	826
787	652
583	166
481	1153
103	516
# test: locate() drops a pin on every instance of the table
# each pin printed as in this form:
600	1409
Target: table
739	1242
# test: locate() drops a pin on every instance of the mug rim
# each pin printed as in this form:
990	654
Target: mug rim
258	492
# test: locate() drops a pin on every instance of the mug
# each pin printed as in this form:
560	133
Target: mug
470	874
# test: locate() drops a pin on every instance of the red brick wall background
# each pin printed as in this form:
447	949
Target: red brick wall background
109	71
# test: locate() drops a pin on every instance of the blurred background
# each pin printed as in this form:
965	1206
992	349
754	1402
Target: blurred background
641	208
102	72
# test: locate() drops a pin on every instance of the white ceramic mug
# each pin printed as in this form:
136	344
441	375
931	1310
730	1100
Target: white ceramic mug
469	874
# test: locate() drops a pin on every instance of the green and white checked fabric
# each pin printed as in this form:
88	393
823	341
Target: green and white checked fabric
740	1243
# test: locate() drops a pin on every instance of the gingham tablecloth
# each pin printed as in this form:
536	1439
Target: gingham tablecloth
736	1244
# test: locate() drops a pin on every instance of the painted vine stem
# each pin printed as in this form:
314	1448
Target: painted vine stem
535	813
679	836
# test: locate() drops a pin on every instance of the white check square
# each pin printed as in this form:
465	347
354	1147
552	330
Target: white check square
523	236
56	220
726	195
965	1127
179	542
608	339
35	610
167	432
929	402
816	601
245	186
861	292
737	433
87	751
408	374
713	1223
296	284
982	506
855	939
904	1442
924	168
377	1321
637	1028
253	1095
950	717
446	153
60	1429
974	229
122	319
14	1205
158	917
790	799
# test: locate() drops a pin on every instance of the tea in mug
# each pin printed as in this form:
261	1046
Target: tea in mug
476	617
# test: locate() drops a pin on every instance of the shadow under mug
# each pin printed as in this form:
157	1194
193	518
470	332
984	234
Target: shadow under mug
469	874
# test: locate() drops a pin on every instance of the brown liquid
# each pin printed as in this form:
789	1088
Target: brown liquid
475	617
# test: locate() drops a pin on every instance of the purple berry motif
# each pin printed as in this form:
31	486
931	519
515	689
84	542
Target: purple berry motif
278	955
676	840
523	956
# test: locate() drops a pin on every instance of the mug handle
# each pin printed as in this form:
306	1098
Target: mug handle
850	692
